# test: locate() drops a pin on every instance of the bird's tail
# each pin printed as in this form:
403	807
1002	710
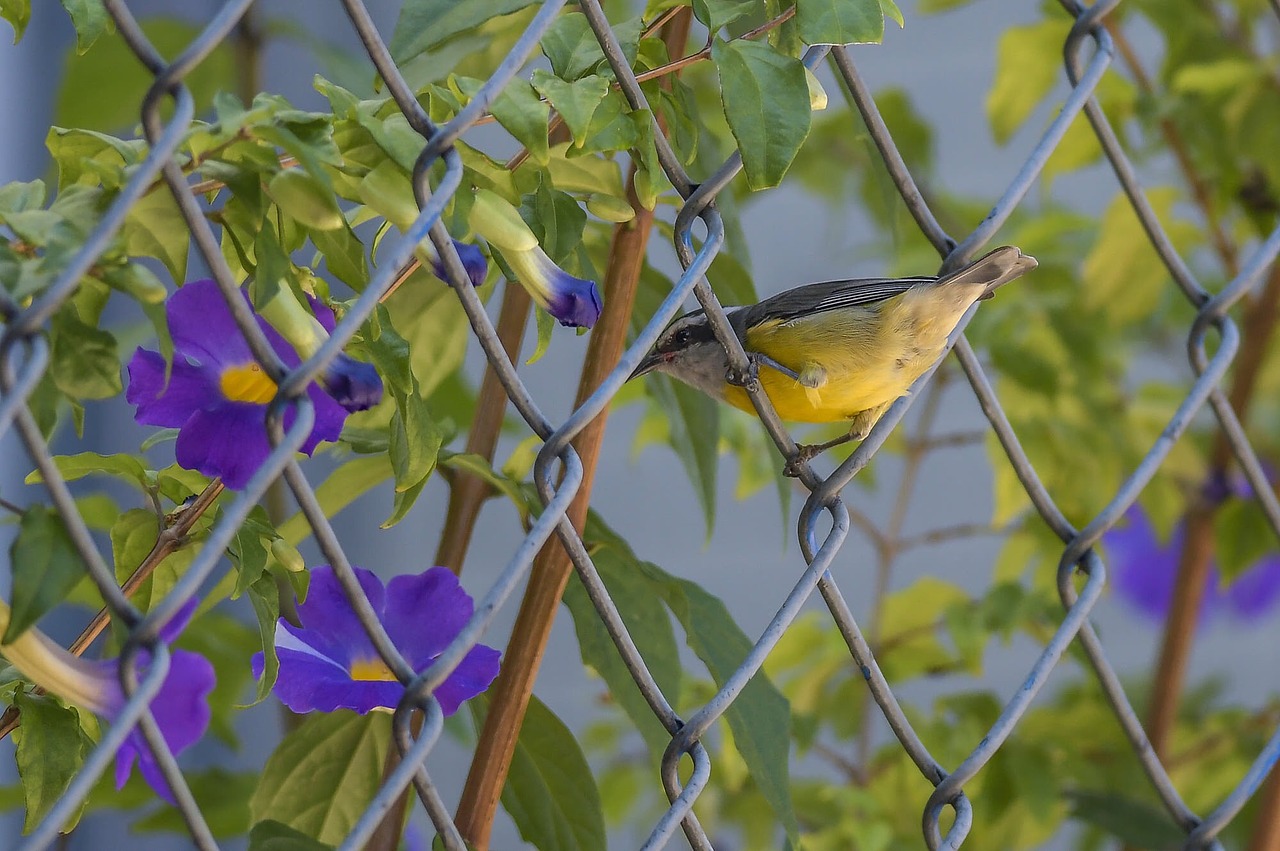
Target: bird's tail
993	270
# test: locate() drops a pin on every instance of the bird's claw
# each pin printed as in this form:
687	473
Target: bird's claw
745	378
796	464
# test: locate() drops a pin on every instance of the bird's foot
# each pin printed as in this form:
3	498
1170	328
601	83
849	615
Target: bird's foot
746	378
804	454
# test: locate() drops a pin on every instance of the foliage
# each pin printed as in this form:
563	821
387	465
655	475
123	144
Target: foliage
303	201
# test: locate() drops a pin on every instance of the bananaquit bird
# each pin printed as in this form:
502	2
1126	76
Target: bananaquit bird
837	350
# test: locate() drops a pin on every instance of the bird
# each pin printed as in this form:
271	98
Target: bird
835	350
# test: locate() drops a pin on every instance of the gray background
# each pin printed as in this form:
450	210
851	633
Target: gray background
946	63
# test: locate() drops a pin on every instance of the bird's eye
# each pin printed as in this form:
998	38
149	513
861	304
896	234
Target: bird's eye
681	338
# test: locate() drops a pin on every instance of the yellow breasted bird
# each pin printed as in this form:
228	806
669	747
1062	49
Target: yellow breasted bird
837	350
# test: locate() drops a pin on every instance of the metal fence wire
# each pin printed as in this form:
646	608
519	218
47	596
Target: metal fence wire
1088	50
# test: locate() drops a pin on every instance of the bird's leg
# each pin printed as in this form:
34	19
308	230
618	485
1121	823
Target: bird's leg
863	422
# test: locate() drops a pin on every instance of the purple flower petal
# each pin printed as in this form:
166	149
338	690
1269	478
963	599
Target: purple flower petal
1145	571
1255	592
329	624
575	302
181	710
190	389
329	417
311	683
323	313
473	260
201	325
229	441
472	676
424	613
354	385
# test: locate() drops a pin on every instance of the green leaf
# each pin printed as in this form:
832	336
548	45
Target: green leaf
91	158
90	19
525	117
273	836
85	361
51	748
571	47
415	442
717	14
555	219
423	24
1221	76
99	89
1135	823
304	199
911	621
248	554
545	327
840	21
1123	276
45	567
155	228
429	317
18	197
343	254
73	467
550	792
766	101
1243	537
1028	64
760	718
322	775
576	102
133	536
18	14
264	595
649	624
694	435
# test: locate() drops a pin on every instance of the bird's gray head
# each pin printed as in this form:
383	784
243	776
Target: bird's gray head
689	351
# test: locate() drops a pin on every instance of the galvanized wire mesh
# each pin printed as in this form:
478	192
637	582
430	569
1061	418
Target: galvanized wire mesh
558	473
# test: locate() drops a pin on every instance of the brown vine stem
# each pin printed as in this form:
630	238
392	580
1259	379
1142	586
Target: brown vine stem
510	695
170	539
467	493
1197	553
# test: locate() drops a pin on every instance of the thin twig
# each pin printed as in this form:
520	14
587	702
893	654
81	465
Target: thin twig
170	539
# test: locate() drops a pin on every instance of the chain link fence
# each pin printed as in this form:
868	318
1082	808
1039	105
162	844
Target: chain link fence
24	357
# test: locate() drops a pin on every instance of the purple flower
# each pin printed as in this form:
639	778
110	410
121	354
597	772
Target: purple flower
217	395
330	663
573	301
180	709
1145	572
473	260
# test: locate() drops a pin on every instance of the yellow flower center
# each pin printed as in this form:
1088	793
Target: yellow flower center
371	669
247	383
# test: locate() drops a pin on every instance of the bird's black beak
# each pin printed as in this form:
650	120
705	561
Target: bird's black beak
650	362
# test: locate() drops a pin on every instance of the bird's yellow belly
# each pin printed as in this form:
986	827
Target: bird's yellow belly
867	359
837	400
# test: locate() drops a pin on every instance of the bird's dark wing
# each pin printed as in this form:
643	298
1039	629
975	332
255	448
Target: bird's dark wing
828	295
